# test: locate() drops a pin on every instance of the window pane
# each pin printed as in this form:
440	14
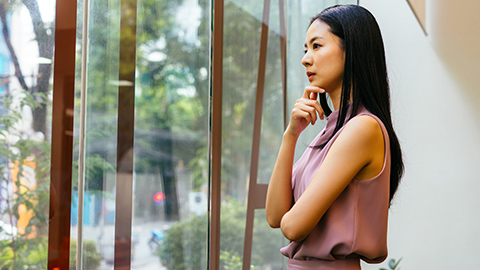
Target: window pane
266	244
243	29
26	53
100	135
171	135
272	113
170	187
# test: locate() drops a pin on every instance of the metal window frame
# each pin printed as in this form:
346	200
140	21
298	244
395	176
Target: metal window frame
215	124
62	135
125	135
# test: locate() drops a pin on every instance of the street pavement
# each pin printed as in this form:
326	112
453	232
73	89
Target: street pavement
143	257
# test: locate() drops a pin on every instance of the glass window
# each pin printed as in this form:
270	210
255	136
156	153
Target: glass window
170	198
170	190
26	57
170	179
245	66
98	218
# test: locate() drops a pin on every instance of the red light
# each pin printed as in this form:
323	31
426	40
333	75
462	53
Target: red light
158	197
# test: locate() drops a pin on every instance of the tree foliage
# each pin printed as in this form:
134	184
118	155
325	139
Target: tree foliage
24	190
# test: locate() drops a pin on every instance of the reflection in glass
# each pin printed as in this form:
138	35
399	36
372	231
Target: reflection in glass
243	26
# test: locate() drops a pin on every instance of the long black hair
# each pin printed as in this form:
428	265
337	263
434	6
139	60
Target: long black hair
365	77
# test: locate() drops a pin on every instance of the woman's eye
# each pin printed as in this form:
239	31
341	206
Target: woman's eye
316	46
305	52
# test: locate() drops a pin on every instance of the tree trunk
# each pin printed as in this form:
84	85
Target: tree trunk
45	50
6	35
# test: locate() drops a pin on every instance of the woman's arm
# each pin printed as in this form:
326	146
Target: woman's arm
358	150
279	194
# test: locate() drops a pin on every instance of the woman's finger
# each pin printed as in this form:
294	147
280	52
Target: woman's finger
315	104
298	113
312	89
308	108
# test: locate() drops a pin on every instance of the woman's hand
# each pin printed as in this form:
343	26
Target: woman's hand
305	111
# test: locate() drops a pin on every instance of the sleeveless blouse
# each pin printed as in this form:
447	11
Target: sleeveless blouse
355	225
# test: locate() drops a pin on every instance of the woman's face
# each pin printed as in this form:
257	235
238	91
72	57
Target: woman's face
324	57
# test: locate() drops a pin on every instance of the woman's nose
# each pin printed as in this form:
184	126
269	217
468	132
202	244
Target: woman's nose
307	59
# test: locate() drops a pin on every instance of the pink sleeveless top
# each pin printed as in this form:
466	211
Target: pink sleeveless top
355	225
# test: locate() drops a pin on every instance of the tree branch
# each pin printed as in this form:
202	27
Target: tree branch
6	35
39	29
45	49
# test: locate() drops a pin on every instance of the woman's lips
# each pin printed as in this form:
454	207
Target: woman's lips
310	75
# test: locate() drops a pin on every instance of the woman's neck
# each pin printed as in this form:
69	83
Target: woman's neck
336	96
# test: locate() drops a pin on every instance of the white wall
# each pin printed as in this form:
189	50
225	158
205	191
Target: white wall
435	219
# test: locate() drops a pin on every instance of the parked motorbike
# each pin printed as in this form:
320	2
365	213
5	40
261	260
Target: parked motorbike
156	240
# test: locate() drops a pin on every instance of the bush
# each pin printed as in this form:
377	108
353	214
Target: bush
185	243
91	257
28	254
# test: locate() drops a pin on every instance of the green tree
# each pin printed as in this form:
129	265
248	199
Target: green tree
24	170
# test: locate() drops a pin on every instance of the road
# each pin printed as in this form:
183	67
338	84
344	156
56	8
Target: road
143	257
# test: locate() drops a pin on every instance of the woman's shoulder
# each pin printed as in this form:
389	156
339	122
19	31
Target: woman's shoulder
363	128
362	141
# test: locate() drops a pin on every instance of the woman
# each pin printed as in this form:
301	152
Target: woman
333	203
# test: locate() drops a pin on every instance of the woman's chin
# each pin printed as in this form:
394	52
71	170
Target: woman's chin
316	84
